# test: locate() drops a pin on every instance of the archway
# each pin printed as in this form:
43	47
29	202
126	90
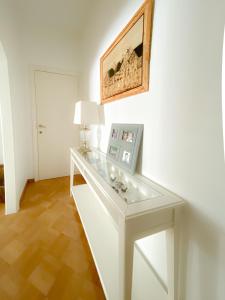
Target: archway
223	91
7	135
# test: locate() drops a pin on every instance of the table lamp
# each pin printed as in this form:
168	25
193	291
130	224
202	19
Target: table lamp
86	113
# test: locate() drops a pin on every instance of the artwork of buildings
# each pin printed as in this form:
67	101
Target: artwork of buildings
125	74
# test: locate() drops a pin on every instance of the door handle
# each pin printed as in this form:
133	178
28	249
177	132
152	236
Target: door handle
41	126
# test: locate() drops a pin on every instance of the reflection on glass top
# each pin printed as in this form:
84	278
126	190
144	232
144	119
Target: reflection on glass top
130	188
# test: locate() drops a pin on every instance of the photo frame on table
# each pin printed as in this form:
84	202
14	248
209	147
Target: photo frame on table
124	67
124	143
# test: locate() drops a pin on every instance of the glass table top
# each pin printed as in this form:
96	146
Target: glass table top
130	188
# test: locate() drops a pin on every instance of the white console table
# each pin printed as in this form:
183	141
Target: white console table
116	209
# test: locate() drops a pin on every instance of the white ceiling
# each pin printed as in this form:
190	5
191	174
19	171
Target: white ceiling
67	15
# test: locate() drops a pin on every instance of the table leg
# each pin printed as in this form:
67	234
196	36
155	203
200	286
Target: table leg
126	252
72	169
173	257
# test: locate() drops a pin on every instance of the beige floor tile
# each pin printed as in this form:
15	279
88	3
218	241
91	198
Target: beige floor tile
44	254
8	286
12	251
42	279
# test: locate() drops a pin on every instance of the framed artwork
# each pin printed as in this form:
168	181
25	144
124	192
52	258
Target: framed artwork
124	143
124	67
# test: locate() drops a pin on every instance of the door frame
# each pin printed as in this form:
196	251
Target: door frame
11	201
33	69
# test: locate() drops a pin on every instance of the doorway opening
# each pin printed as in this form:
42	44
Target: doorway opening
6	139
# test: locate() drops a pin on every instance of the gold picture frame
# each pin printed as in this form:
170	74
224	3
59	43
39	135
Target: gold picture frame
124	67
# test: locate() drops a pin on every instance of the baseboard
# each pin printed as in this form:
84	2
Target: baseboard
30	181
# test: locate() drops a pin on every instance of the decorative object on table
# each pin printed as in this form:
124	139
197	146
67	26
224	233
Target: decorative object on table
124	143
86	113
125	65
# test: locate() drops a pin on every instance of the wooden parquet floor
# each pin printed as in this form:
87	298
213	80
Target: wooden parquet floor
43	250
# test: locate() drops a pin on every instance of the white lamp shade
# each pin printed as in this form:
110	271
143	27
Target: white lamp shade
86	113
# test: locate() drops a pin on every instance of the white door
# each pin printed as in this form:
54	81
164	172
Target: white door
55	96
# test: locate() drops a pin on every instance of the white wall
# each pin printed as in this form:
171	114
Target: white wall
182	117
17	106
51	48
52	30
223	91
47	47
1	147
7	135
